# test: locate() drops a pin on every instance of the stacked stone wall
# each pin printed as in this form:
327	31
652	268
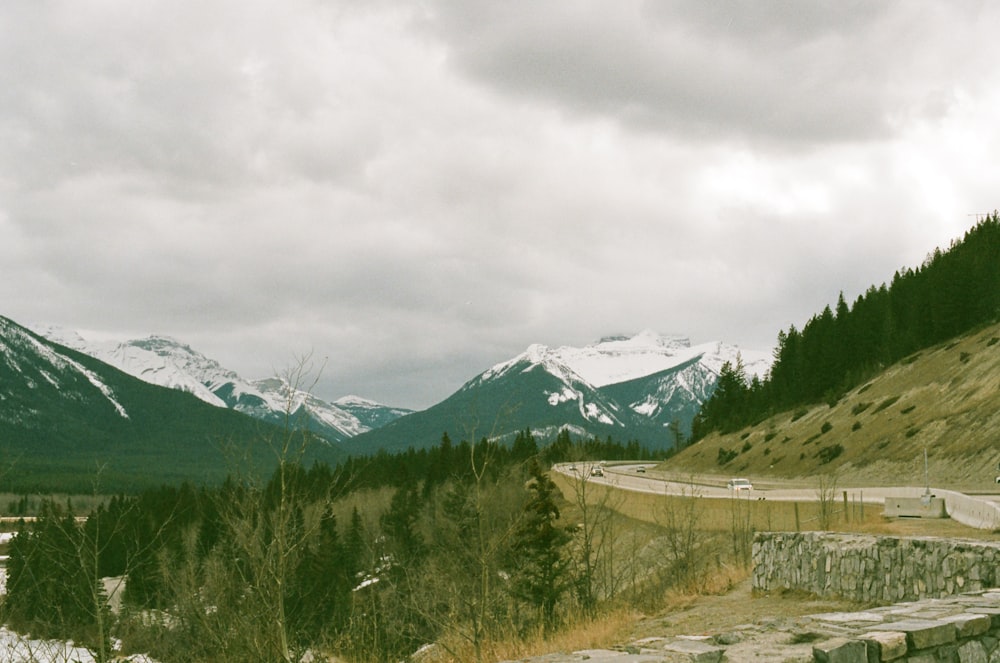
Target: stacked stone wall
873	569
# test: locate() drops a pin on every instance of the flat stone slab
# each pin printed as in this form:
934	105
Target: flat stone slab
888	645
969	624
849	617
698	650
841	650
923	633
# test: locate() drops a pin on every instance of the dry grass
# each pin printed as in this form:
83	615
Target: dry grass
612	627
945	399
717	514
600	632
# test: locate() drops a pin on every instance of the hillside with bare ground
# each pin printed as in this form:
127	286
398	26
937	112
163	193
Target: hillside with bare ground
945	399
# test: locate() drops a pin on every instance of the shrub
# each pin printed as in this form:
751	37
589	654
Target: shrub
907	410
746	447
860	407
825	428
725	455
826	454
770	436
856	426
801	412
886	403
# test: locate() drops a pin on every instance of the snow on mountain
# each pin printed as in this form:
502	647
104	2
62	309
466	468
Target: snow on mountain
618	359
369	413
167	362
663	380
564	386
714	355
159	360
53	365
281	397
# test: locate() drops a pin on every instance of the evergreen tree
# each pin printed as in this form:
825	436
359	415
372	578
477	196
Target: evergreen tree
399	524
952	292
50	589
541	570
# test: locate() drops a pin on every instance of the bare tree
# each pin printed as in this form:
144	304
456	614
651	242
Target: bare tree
592	550
826	496
741	525
679	517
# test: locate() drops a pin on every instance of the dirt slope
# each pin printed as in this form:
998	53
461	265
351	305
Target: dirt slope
944	399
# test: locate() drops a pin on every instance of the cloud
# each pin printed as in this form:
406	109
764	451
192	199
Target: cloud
766	73
418	191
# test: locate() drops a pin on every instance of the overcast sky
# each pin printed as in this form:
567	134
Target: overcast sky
417	190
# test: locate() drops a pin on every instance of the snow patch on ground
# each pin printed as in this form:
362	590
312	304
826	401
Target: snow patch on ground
17	648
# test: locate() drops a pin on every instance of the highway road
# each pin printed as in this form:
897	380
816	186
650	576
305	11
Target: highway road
981	511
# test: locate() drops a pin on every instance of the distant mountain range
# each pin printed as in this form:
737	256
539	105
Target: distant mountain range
646	387
73	423
169	363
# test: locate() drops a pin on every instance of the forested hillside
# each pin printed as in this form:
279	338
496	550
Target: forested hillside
951	293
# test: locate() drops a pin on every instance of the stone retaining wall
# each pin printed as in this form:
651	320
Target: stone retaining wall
873	569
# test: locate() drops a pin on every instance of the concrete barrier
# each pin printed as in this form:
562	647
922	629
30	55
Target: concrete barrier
927	506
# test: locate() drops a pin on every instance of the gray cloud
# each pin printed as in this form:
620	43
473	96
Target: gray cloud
763	72
415	192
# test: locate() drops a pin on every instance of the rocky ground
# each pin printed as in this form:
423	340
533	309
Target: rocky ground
778	627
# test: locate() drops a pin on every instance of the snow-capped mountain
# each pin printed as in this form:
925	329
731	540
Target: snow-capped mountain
646	387
71	421
616	359
371	414
167	362
47	374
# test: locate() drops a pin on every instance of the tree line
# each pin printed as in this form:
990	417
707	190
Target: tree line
951	293
371	558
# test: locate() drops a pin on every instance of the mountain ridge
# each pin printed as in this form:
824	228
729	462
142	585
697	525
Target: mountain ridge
168	362
70	422
545	389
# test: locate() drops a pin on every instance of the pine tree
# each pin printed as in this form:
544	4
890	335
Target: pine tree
541	577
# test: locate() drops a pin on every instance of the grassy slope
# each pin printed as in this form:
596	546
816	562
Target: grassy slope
947	400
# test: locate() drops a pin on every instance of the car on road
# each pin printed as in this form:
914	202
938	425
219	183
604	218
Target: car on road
739	484
641	469
597	471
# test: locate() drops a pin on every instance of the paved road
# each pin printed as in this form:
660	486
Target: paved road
982	511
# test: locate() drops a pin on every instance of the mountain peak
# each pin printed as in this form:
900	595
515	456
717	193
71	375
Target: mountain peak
619	358
645	338
158	343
